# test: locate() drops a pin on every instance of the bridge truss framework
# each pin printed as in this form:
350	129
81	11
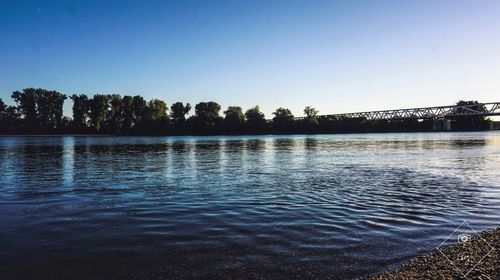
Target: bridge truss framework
438	112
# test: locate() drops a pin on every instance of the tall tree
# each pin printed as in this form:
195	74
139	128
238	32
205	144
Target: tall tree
2	106
157	109
26	106
178	112
81	106
255	119
283	119
127	113
42	109
207	116
49	108
114	120
155	121
310	112
57	108
98	110
9	119
234	118
310	122
139	108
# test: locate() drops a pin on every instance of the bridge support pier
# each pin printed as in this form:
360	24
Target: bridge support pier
441	125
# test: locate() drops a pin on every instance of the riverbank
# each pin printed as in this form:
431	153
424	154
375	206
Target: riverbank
435	265
230	134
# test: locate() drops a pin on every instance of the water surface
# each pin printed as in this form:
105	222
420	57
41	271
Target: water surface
330	206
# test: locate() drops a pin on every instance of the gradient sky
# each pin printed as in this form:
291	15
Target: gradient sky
339	56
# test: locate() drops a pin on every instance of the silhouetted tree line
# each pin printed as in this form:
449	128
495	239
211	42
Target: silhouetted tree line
40	111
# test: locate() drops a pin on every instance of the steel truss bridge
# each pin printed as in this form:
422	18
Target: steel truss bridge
439	112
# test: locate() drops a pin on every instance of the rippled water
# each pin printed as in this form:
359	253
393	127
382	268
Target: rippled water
330	206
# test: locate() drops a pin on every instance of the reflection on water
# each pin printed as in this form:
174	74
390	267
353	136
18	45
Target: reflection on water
288	206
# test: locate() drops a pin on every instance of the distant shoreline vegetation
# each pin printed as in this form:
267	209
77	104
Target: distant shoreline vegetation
40	111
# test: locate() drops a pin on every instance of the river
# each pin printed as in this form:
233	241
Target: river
298	206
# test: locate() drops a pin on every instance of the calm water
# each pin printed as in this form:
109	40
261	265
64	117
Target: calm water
332	206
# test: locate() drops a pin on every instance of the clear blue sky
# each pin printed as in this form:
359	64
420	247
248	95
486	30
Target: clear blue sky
338	56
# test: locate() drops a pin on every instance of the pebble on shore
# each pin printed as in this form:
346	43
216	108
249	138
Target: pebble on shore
435	265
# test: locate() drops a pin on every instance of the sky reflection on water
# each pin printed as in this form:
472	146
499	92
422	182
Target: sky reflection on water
241	206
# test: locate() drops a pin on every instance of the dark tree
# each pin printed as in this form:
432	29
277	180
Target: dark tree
26	106
98	110
49	108
156	121
256	121
234	118
157	109
3	109
42	109
57	107
470	122
114	120
206	117
140	112
310	122
43	101
127	114
311	112
283	119
178	112
2	106
139	108
9	119
81	107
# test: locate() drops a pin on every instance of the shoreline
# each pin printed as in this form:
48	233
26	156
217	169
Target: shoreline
243	134
434	264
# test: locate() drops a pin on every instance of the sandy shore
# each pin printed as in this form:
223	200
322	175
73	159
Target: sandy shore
464	258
